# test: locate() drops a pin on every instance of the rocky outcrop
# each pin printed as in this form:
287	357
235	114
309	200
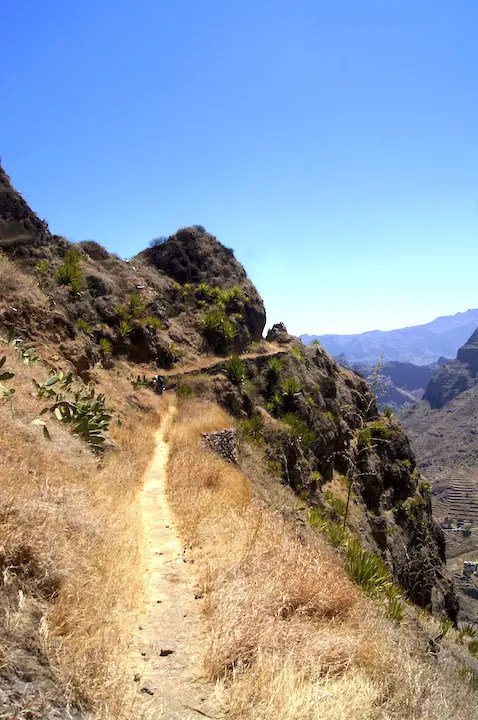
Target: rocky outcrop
222	442
194	256
454	377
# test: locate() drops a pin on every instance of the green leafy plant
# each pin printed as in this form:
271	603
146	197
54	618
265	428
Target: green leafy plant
235	369
140	382
336	503
137	305
290	389
50	388
106	346
26	355
388	412
84	326
87	414
253	428
298	354
473	648
395	610
41	271
275	405
6	393
425	489
218	329
184	391
274	369
366	569
125	326
305	435
154	322
69	272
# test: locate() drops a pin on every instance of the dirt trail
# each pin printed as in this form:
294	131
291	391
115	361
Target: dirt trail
168	635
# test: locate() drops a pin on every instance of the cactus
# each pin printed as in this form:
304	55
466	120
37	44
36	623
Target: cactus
88	416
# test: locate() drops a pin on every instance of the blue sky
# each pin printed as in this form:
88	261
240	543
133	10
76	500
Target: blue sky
333	145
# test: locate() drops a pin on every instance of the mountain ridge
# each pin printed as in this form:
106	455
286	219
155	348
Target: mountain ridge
418	344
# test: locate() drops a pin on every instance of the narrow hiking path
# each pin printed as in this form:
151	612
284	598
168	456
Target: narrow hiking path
168	634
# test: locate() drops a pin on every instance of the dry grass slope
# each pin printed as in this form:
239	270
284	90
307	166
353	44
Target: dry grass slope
70	556
288	634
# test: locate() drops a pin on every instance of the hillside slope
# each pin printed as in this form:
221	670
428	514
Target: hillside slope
420	345
186	306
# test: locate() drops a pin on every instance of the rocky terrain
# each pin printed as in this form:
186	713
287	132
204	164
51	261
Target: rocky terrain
420	345
186	306
443	431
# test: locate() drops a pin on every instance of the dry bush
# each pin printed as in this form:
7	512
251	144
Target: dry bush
288	635
70	555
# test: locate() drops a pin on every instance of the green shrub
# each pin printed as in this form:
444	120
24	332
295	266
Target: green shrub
388	412
275	405
41	271
298	354
275	468
473	648
140	382
84	326
290	388
154	322
125	326
305	436
467	631
315	342
366	569
218	329
88	416
53	386
274	369
137	305
26	355
235	369
5	374
395	610
364	438
184	391
69	272
253	428
6	393
106	346
425	489
335	502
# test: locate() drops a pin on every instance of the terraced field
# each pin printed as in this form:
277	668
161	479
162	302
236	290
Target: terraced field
457	499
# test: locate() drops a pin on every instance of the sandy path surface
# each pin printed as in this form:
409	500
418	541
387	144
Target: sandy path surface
168	636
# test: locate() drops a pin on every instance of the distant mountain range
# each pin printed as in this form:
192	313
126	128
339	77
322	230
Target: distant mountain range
420	344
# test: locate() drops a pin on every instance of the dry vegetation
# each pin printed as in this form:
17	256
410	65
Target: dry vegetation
70	556
288	634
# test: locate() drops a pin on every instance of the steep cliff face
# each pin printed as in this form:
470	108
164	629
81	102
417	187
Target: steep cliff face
455	377
320	428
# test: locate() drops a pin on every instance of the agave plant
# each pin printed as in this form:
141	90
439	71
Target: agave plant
235	369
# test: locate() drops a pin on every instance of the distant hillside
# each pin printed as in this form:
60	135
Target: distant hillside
420	345
398	385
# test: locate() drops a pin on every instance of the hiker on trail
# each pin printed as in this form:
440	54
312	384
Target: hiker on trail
159	386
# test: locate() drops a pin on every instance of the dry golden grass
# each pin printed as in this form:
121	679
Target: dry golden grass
288	635
17	286
70	552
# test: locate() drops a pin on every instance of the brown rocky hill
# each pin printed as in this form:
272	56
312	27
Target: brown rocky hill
186	299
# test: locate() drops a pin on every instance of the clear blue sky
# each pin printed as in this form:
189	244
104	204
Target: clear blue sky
333	145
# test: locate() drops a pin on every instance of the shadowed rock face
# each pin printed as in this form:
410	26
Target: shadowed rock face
468	354
455	377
